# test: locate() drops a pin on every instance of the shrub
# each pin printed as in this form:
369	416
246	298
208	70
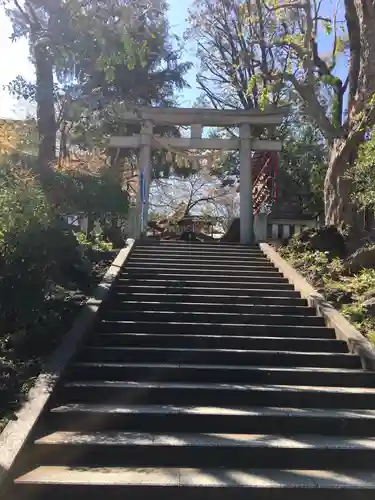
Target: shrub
37	251
333	279
95	242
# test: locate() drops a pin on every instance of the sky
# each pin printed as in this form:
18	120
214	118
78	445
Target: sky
15	61
178	13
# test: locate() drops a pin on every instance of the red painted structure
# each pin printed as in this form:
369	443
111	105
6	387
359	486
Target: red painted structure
265	169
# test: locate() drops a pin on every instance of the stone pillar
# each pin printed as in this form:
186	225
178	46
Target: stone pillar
246	187
145	168
260	227
286	231
196	131
275	231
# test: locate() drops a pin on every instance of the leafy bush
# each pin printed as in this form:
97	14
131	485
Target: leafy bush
95	194
37	251
44	279
346	291
363	175
95	241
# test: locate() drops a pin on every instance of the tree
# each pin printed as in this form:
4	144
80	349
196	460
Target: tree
85	185
198	194
343	108
103	57
314	69
303	164
230	73
226	209
44	24
89	57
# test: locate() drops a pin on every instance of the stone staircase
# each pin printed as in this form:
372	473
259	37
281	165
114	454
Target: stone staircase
206	377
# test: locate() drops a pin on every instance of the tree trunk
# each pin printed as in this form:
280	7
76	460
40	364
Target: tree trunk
63	151
360	18
339	211
45	107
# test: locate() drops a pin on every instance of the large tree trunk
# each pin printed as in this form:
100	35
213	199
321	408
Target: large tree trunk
337	187
360	17
45	107
339	210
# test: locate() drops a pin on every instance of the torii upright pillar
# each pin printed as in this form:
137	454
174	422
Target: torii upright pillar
145	168
246	187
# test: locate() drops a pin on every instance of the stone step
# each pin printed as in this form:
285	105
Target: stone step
206	255
219	356
219	341
132	449
201	247
185	307
211	394
194	372
196	252
260	286
210	255
196	298
222	274
167	418
187	265
205	328
194	484
179	288
152	314
173	256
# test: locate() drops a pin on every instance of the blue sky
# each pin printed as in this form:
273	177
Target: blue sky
178	13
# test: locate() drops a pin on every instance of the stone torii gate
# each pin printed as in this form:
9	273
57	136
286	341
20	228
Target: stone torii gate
197	118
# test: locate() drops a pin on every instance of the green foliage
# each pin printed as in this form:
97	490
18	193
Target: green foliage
44	277
327	26
36	250
22	89
95	241
344	290
105	56
303	163
316	264
94	194
363	175
22	202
